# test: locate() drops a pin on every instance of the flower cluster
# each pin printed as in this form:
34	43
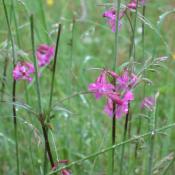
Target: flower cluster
118	92
24	70
111	14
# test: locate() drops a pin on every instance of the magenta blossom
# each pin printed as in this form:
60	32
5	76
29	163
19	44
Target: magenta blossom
133	4
121	107
65	172
23	71
100	87
148	103
127	81
44	54
118	93
111	17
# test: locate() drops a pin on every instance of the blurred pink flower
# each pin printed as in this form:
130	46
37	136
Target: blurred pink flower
44	54
121	105
100	87
133	4
65	172
148	103
111	17
122	109
126	81
118	94
23	71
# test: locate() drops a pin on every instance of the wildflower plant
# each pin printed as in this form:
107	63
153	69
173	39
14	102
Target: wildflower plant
118	94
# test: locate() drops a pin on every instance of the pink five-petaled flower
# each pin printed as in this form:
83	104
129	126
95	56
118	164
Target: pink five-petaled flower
101	87
111	17
23	71
44	54
148	103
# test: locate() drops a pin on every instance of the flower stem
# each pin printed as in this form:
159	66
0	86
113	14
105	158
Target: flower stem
13	90
114	68
51	92
41	116
143	54
78	162
54	66
124	138
152	139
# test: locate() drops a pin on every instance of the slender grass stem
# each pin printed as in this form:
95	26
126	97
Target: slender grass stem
124	138
16	23
114	68
6	61
54	67
114	147
13	90
4	77
41	116
143	54
132	55
152	140
43	19
35	64
51	91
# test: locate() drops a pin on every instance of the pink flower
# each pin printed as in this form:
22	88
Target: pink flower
44	54
111	17
122	109
101	86
148	103
126	81
23	71
118	94
133	4
121	106
65	172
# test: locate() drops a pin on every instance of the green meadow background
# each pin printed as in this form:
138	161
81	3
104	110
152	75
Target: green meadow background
79	126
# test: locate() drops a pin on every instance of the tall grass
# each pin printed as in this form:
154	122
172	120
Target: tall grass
56	111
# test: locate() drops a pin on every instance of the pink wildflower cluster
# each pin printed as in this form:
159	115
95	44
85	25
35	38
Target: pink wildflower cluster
63	171
44	54
24	69
111	14
118	94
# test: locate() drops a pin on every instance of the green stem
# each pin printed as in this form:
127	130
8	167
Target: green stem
114	147
51	91
54	67
35	64
41	116
124	138
152	139
13	90
132	55
143	54
114	68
